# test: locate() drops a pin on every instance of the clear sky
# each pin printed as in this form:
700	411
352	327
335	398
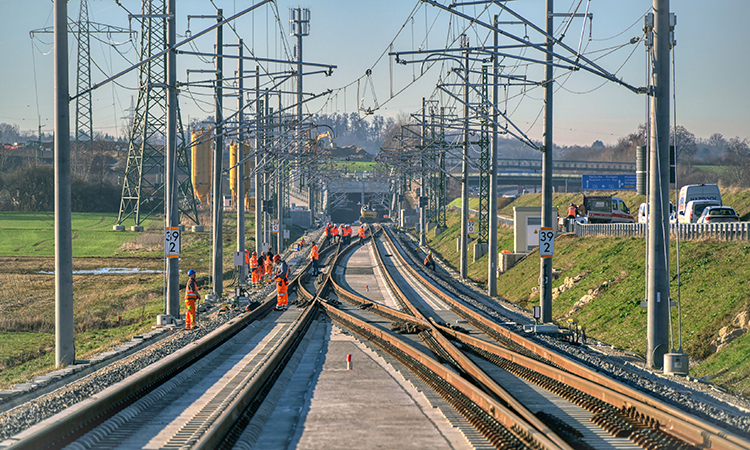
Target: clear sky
712	61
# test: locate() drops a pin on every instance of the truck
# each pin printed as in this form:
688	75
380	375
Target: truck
606	209
696	192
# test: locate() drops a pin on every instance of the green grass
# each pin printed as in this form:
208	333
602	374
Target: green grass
29	301
713	290
716	170
33	234
356	166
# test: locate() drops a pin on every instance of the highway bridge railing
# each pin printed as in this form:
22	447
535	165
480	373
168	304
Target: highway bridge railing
738	231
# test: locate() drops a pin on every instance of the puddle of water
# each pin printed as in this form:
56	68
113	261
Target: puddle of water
109	271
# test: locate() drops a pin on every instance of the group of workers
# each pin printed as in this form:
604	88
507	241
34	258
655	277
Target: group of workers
343	233
338	233
270	267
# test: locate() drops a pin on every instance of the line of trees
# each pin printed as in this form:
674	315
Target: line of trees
32	188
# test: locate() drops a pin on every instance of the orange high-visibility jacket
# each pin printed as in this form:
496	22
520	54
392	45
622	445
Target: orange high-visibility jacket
335	231
253	262
191	290
571	211
314	252
361	232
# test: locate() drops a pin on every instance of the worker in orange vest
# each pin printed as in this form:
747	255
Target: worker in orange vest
253	264
327	230
191	296
361	234
314	255
268	263
335	233
282	283
428	261
572	211
348	234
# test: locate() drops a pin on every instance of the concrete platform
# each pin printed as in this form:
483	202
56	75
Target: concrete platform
370	406
359	273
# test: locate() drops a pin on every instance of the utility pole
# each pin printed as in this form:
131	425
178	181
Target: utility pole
492	238
218	204
172	301
84	122
658	298
422	180
240	167
545	270
258	160
65	351
464	272
300	21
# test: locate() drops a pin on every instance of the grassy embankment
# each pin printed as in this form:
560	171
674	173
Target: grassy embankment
26	273
713	288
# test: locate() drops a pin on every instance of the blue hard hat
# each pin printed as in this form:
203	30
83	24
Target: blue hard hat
572	204
191	272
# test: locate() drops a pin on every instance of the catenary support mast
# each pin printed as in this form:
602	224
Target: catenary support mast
658	234
545	271
64	341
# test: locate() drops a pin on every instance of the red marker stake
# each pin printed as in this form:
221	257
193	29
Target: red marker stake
349	362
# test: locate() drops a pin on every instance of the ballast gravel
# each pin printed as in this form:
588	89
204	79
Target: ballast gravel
29	414
688	394
45	406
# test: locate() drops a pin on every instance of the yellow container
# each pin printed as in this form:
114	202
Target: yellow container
201	164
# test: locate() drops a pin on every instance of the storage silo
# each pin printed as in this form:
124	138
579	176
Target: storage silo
233	151
201	164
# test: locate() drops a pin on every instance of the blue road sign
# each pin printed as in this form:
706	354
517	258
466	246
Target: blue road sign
608	182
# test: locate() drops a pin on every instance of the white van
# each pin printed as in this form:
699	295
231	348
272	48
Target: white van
606	209
692	192
643	213
695	208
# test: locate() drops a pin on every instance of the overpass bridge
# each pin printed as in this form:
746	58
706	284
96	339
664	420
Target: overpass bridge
535	165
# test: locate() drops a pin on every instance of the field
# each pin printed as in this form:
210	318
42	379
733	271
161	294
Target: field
108	308
356	166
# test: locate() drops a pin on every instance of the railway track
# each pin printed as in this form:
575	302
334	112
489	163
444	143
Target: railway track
222	390
200	391
619	410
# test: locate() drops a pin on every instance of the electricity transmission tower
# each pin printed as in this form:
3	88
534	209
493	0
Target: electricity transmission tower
82	30
143	184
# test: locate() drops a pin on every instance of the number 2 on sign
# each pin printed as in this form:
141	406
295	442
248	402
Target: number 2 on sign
546	242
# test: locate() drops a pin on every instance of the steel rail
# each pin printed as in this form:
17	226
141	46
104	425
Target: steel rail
488	406
464	364
56	432
517	427
683	425
216	434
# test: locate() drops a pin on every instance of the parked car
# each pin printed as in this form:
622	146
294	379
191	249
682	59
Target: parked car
643	213
694	209
715	214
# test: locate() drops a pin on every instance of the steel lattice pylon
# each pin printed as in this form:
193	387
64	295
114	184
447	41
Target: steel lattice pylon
484	165
84	122
143	186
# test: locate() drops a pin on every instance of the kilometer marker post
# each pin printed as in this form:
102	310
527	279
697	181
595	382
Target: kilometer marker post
546	242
